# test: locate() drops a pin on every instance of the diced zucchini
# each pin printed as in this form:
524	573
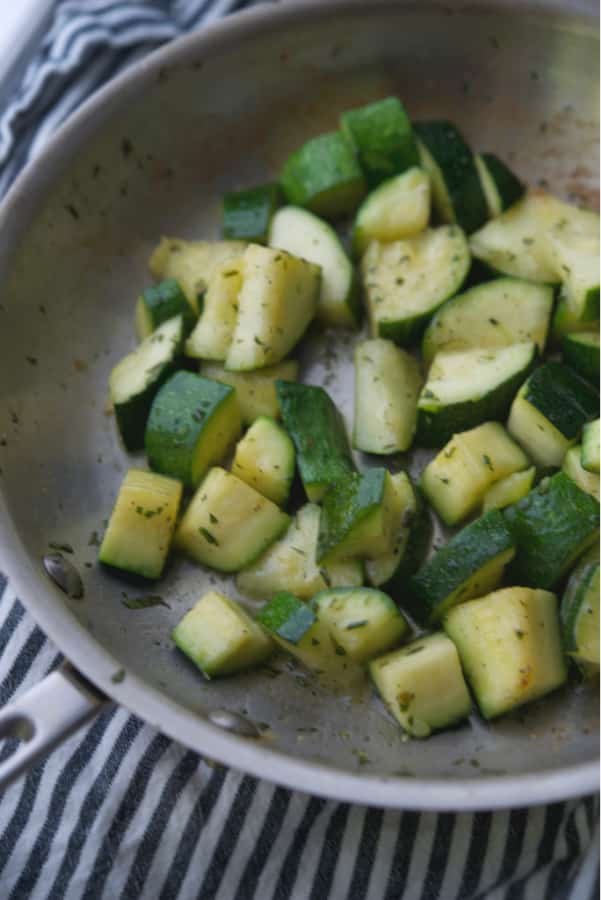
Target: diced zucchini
590	447
509	490
456	480
387	385
549	412
192	424
422	685
359	517
220	637
255	390
248	213
159	303
135	380
363	621
510	647
495	314
468	387
228	524
456	191
565	322
406	281
212	336
586	481
296	628
300	232
501	187
311	419
276	303
470	565
574	251
264	459
192	263
580	351
391	571
399	208
141	525
382	137
324	176
291	563
580	613
405	509
542	239
552	526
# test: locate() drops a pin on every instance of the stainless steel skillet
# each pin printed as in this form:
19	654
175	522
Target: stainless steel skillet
151	154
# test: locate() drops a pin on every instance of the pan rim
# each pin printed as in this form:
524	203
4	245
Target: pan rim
56	619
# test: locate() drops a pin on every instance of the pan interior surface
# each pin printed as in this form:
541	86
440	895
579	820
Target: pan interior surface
154	158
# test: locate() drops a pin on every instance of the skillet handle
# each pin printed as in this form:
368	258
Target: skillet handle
44	717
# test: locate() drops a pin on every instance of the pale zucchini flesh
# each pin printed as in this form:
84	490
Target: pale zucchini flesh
404	507
509	490
398	209
192	263
362	621
590	447
572	466
255	391
264	459
213	333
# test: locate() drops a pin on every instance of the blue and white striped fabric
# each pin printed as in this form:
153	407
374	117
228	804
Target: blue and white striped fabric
120	811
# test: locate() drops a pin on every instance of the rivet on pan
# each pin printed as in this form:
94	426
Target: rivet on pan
64	574
230	721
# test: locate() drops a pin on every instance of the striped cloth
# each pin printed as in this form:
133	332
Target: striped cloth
120	811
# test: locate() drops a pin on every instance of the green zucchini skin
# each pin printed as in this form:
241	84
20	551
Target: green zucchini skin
580	351
455	160
507	186
324	176
287	616
562	397
313	422
346	505
382	137
247	214
416	549
427	592
164	301
581	589
552	526
179	421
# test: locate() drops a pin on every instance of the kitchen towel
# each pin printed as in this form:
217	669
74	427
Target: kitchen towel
119	810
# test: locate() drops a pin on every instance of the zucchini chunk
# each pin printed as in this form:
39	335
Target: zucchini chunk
214	331
387	385
220	637
317	429
565	322
501	187
255	390
291	563
456	190
410	537
192	424
509	490
141	525
192	263
510	647
135	380
324	176
470	565
159	303
297	629
276	303
406	281
586	481
247	214
498	313
228	524
358	517
363	621
589	456
580	350
264	459
382	137
399	208
456	481
422	685
574	251
303	234
552	526
549	412
580	613
468	387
